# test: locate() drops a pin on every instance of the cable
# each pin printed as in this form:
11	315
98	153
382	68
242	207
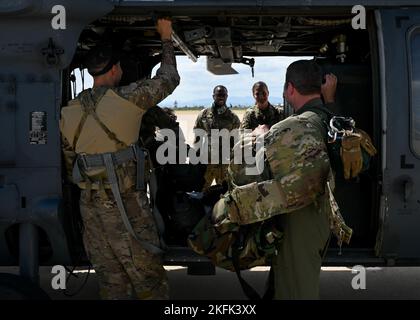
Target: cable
81	287
71	273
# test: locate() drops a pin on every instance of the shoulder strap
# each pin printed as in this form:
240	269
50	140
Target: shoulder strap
89	108
249	291
321	111
325	116
79	129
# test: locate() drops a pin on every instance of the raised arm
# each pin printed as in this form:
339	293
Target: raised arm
148	93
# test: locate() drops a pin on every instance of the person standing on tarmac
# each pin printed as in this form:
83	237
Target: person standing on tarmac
297	265
263	112
219	117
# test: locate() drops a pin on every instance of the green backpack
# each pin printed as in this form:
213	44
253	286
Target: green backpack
232	246
242	230
236	247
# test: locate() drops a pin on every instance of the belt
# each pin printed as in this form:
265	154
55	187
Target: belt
108	161
87	162
97	160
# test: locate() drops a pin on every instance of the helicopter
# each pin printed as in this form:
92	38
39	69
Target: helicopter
42	42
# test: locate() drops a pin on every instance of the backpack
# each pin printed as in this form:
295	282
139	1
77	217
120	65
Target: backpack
236	247
241	228
232	246
242	231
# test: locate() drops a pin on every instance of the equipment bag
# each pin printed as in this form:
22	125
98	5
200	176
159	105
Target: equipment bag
235	247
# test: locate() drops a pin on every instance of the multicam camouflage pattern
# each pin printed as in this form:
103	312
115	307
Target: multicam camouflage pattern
337	224
221	239
148	93
216	118
299	164
238	172
254	117
297	182
125	270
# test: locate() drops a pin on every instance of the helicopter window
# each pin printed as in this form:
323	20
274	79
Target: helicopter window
80	80
195	89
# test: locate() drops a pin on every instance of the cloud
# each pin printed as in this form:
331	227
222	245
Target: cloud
197	83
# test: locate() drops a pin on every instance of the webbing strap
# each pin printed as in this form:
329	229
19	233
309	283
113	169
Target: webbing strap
76	173
249	291
111	135
79	129
89	106
141	164
112	178
156	213
337	223
86	162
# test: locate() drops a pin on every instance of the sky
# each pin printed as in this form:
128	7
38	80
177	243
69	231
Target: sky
197	83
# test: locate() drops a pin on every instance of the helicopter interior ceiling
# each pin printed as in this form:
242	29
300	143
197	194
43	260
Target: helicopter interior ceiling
227	39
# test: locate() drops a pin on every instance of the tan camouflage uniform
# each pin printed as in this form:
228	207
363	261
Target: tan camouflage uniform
254	117
125	270
216	118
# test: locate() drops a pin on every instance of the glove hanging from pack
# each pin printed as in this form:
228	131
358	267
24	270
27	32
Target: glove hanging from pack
351	155
355	146
366	142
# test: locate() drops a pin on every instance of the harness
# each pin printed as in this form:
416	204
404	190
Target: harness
110	160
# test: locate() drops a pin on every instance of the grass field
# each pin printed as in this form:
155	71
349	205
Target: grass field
186	119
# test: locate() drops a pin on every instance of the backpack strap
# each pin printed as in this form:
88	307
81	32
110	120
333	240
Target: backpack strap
249	291
79	129
82	99
338	226
113	181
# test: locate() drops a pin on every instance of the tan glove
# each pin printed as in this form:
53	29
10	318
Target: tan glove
351	155
366	143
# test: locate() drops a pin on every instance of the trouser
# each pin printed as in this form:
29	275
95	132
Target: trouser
217	172
297	265
124	269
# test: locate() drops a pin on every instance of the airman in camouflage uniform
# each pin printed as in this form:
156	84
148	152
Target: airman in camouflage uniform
106	119
263	112
306	231
218	116
294	191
